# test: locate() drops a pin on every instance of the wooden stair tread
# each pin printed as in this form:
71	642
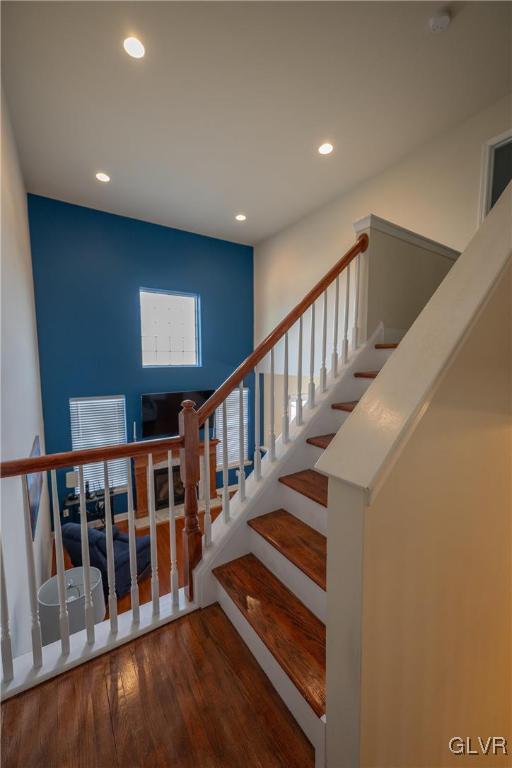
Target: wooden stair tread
321	441
348	406
310	483
366	374
298	542
387	345
293	635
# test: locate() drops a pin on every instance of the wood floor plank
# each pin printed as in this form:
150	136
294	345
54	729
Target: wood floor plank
321	441
387	345
281	746
366	374
124	603
292	634
310	483
188	695
298	542
348	406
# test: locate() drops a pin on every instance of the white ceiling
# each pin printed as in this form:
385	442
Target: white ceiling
225	112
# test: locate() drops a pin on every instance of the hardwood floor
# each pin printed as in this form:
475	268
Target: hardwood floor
348	407
124	603
322	441
310	483
188	695
292	634
298	542
366	374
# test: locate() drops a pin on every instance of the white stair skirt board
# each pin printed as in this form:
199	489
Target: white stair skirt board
230	539
54	663
313	726
292	577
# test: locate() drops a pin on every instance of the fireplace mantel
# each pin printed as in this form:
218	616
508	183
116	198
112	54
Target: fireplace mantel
141	463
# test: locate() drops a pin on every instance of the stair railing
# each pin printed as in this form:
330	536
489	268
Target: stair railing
189	448
24	468
192	420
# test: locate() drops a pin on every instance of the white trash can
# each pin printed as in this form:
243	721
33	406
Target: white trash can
48	599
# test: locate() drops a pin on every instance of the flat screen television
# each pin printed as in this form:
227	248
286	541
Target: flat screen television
160	411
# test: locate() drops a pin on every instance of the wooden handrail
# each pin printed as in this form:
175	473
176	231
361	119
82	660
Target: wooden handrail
87	456
279	331
190	422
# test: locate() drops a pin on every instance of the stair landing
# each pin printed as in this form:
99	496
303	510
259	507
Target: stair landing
189	694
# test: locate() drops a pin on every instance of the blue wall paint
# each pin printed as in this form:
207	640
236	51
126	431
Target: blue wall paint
88	267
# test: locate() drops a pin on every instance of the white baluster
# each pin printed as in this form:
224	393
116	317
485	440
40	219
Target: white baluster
241	453
334	359
86	562
59	560
299	375
155	597
111	568
344	349
257	417
225	468
7	668
132	544
37	649
172	531
207	513
286	398
323	368
272	436
355	330
311	387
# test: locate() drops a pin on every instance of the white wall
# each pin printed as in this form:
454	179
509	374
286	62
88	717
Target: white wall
434	191
21	410
419	530
436	658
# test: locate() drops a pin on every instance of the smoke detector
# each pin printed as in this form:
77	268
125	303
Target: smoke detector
439	22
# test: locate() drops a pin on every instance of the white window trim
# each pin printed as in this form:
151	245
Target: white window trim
188	294
486	172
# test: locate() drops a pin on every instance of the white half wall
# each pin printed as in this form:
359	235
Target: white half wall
434	191
436	624
21	409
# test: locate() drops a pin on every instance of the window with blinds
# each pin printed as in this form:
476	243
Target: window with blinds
98	421
233	426
169	328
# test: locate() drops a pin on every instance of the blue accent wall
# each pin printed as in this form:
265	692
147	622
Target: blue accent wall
88	267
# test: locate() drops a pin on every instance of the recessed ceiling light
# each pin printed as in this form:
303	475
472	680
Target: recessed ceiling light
325	149
134	47
104	177
241	217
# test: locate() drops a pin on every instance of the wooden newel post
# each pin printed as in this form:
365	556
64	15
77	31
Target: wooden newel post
189	471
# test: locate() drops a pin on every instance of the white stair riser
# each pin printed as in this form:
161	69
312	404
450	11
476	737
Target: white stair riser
313	726
292	577
305	509
268	494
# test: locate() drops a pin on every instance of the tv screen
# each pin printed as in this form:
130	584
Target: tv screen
160	411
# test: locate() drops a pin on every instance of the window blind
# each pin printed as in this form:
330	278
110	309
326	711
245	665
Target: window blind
233	426
98	421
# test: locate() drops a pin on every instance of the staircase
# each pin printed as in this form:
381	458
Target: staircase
275	593
264	558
